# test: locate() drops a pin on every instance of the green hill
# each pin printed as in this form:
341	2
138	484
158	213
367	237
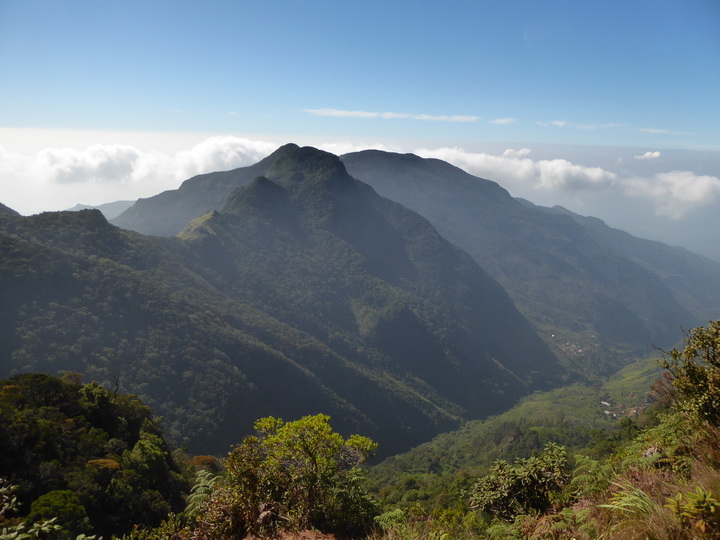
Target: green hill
307	293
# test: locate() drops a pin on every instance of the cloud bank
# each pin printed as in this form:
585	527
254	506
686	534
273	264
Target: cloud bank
59	178
513	168
674	194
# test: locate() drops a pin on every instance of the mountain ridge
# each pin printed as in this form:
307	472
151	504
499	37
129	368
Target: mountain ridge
279	303
581	291
167	213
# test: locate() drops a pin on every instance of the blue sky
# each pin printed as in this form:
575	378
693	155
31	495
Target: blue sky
118	100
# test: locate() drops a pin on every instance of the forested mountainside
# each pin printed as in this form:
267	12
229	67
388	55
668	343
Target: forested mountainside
306	293
600	294
555	466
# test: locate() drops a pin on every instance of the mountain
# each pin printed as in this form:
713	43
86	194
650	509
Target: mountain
597	302
110	210
693	278
306	292
167	213
598	294
7	211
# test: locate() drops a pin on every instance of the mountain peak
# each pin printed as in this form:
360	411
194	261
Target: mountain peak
308	165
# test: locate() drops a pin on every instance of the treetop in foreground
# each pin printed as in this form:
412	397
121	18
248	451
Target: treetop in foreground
293	475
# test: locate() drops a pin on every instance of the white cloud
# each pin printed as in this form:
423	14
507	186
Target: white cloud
675	193
504	121
514	169
391	115
514	154
562	174
219	154
583	127
672	194
591	127
101	163
59	178
649	155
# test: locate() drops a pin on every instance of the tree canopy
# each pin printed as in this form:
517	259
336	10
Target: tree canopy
297	475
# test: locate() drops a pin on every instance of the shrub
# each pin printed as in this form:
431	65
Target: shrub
300	474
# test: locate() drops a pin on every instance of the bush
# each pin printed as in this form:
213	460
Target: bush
297	475
696	373
529	485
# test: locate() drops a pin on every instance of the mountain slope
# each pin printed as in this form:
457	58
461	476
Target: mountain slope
596	301
307	293
324	253
7	211
694	279
585	294
167	213
85	296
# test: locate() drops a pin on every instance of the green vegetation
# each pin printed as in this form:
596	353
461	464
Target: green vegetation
307	292
75	451
295	475
527	486
660	482
661	479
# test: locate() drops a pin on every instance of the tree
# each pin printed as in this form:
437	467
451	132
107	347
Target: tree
528	485
696	373
65	506
300	474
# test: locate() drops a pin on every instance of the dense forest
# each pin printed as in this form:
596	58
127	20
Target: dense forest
281	348
305	293
72	451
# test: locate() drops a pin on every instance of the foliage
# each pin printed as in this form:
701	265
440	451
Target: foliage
13	529
394	520
629	499
300	474
64	506
200	495
590	477
699	509
529	485
438	473
696	372
76	450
